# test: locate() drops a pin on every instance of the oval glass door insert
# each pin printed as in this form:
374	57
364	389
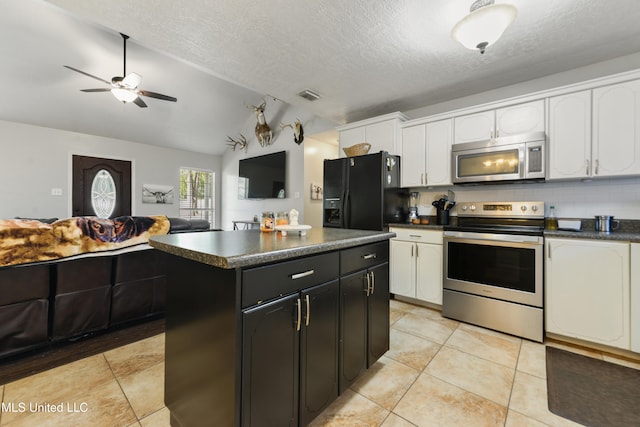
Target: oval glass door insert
103	194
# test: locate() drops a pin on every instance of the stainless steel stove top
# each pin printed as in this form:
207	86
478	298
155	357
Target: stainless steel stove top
525	218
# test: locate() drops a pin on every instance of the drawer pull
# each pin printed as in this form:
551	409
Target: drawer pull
369	256
301	275
415	236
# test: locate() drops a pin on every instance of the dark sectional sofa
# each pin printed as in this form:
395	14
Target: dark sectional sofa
49	302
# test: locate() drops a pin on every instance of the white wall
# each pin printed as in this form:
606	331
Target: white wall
37	159
577	75
315	152
276	112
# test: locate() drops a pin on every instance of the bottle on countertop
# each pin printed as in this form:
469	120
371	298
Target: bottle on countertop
551	221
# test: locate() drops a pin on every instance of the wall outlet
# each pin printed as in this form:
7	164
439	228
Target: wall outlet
56	191
296	195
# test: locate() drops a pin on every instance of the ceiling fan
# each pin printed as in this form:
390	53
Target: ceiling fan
125	88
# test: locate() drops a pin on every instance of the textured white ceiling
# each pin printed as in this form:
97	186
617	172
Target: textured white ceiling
364	57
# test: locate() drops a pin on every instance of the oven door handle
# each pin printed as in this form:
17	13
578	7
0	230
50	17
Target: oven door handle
512	238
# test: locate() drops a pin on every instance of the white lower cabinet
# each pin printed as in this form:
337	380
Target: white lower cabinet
588	290
416	264
635	297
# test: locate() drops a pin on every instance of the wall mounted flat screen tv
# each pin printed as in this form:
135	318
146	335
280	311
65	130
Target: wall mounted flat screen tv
263	177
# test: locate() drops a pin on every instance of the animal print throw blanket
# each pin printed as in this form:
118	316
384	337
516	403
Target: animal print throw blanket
24	241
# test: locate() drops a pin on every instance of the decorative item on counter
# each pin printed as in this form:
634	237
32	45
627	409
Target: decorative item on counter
293	225
357	150
298	131
551	221
263	131
424	220
267	223
293	217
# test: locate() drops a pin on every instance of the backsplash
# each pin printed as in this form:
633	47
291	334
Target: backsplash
572	199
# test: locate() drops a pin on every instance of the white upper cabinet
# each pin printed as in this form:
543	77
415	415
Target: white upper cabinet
570	136
383	133
426	154
512	120
474	127
521	118
616	129
413	155
595	133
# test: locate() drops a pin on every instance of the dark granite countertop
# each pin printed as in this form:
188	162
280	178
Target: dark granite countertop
633	237
231	249
628	231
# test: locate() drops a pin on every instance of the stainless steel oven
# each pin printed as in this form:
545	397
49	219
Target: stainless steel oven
493	267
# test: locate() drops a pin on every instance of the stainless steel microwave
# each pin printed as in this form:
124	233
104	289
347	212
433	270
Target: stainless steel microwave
510	158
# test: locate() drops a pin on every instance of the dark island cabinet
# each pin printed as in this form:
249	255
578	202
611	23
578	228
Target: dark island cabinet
290	345
272	344
364	309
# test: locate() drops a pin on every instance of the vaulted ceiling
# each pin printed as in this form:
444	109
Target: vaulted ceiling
364	58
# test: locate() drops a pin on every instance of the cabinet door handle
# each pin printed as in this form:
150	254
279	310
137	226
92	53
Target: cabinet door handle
301	275
411	251
422	178
308	316
369	256
299	317
368	279
417	252
597	165
586	166
373	283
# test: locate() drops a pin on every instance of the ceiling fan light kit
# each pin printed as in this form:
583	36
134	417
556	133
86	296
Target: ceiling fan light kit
484	25
125	88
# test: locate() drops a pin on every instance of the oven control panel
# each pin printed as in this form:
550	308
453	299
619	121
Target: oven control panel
502	209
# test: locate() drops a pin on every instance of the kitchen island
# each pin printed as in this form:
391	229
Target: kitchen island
268	330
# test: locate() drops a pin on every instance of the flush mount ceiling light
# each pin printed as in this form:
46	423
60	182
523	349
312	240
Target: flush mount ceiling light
484	25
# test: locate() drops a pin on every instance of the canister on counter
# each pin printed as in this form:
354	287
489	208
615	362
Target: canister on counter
282	218
267	223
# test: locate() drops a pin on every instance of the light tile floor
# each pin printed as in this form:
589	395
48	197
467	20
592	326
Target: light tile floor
438	372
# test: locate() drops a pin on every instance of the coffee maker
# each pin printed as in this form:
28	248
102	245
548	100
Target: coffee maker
414	197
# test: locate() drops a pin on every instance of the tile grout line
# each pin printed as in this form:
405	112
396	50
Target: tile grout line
115	377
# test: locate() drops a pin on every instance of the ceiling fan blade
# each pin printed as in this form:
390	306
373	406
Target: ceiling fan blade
157	95
132	80
104	89
139	102
87	74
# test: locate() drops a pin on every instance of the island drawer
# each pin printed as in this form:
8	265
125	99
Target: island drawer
363	257
271	281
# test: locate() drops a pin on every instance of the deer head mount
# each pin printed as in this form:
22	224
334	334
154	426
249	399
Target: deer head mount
298	131
263	131
240	142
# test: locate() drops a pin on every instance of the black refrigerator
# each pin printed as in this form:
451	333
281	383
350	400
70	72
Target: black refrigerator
363	192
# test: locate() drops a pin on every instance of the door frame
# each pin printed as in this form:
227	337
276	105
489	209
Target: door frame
104	156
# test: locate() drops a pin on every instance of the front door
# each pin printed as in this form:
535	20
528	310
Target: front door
101	187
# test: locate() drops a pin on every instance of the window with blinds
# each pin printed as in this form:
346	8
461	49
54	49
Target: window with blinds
197	199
